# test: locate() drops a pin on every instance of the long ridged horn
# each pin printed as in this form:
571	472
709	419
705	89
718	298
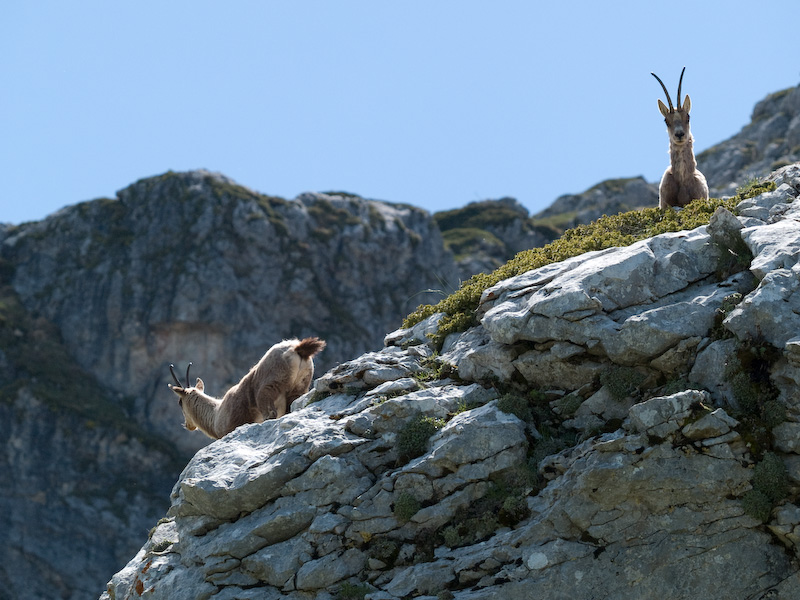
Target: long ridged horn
189	366
663	87
175	377
679	88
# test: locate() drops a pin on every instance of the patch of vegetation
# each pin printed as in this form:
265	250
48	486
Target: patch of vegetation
433	369
479	215
503	506
770	477
770	485
530	405
330	219
757	505
718	331
753	187
466	241
516	405
412	439
342	194
547	446
162	546
405	507
618	230
351	591
779	163
569	404
622	382
749	375
383	549
759	410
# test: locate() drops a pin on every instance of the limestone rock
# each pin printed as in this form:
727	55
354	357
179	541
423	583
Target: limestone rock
663	416
772	311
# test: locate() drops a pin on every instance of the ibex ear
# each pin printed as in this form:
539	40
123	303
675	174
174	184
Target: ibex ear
663	108
178	390
200	385
687	104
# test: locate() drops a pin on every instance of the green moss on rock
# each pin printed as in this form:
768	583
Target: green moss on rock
412	439
618	230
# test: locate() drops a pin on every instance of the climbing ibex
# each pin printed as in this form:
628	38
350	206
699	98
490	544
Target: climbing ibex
682	182
283	374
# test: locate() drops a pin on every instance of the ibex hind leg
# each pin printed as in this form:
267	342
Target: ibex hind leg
271	401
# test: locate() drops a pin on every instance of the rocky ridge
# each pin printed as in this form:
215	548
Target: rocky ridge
771	140
626	420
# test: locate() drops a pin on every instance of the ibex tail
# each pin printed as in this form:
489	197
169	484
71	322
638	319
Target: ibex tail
308	347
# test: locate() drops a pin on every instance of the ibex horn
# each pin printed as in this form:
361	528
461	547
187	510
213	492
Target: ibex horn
189	366
175	377
679	87
671	108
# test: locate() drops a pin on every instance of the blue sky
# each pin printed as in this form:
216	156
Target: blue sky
435	103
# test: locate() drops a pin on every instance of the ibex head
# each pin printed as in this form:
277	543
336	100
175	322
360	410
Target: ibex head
677	119
184	392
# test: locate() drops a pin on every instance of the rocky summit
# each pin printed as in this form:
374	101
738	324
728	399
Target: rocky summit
622	424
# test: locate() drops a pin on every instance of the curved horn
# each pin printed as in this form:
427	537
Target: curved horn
175	377
189	366
679	88
663	87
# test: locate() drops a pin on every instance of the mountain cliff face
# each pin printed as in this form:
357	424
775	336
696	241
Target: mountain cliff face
624	423
769	141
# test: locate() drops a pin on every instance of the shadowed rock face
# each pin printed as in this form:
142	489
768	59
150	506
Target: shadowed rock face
560	463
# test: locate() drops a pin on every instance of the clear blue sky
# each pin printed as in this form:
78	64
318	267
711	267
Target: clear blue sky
434	103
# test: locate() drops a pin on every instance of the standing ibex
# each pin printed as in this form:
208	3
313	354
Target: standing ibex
283	374
682	182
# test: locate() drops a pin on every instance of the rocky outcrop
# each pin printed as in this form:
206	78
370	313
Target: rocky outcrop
606	198
621	424
484	235
769	141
